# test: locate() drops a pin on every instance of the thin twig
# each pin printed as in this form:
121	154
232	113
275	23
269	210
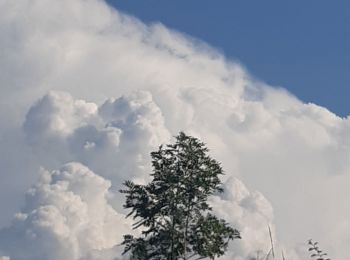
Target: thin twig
272	249
268	254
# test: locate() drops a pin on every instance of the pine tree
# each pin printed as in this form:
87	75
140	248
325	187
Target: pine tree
172	210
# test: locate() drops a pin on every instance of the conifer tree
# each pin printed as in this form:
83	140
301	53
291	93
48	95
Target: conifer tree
172	210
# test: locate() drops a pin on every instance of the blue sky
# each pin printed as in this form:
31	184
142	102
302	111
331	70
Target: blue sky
300	45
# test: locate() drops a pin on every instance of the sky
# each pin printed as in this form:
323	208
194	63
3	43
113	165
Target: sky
88	91
300	45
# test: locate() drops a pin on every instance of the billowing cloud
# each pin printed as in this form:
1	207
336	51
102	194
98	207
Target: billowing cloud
114	139
250	213
66	216
82	82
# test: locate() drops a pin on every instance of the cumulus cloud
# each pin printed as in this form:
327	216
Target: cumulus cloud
66	216
250	213
113	139
83	82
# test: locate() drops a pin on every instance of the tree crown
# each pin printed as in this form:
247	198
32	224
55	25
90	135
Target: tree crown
172	209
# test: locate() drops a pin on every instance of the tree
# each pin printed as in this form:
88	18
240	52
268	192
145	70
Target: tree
172	209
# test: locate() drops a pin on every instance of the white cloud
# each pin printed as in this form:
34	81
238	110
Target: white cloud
250	213
82	82
66	216
113	139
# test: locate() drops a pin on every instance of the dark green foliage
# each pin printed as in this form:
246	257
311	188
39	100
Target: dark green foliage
218	232
316	252
172	209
